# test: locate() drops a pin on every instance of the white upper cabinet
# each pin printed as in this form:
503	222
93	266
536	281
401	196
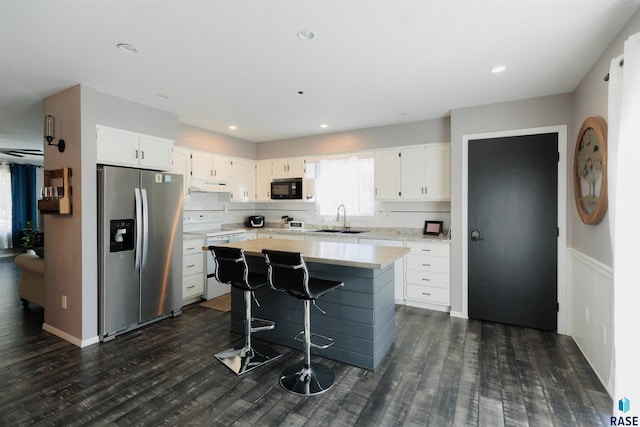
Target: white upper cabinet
209	168
243	180
415	173
291	167
124	148
263	180
182	165
437	177
387	175
201	166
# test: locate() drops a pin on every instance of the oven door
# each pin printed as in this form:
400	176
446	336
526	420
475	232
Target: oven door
213	288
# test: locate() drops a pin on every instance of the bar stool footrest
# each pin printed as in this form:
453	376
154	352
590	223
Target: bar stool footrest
244	359
321	343
258	325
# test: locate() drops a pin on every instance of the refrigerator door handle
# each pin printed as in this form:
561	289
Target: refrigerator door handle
145	225
136	192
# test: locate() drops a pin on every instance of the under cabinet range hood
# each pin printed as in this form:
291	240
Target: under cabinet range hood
210	187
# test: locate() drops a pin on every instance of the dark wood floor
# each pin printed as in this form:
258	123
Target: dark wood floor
441	371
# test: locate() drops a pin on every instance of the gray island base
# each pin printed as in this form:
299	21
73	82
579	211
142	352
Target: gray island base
360	316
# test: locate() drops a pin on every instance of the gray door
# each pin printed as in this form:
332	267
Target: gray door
119	281
161	279
513	193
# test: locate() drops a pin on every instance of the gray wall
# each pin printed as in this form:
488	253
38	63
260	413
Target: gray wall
122	114
70	240
591	99
529	113
422	132
200	139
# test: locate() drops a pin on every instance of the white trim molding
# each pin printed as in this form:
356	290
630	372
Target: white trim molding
70	338
591	284
561	130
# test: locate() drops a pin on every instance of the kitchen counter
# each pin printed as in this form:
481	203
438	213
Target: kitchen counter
379	233
360	316
335	253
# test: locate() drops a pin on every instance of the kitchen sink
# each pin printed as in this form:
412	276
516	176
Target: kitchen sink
341	231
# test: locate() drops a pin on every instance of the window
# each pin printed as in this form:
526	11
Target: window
5	206
345	181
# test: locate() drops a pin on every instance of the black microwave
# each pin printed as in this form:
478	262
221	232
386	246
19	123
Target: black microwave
286	188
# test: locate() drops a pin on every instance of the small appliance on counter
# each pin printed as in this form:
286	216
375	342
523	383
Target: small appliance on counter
295	225
255	221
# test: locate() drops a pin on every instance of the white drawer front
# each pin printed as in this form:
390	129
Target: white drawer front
430	249
192	246
192	264
427	263
438	280
428	293
192	286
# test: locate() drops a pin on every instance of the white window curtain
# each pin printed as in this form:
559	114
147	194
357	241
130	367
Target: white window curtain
5	206
345	181
624	208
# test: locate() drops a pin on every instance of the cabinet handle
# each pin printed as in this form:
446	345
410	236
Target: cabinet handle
136	154
192	265
426	293
142	155
426	280
426	265
190	249
190	287
426	250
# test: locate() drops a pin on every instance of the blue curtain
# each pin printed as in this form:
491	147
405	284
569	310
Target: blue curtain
23	199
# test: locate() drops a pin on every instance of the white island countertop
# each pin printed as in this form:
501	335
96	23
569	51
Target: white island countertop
336	253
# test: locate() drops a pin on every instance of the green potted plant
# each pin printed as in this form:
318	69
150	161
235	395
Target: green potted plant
29	236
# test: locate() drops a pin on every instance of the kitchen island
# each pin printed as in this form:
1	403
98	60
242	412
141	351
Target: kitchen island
360	316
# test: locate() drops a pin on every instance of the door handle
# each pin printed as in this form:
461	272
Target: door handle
475	236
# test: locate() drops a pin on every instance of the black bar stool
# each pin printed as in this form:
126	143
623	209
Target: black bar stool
287	271
231	268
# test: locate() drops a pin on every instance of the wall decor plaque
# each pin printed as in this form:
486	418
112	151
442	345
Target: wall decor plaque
590	171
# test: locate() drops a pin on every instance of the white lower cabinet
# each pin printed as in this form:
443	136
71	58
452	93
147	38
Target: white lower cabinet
193	269
427	275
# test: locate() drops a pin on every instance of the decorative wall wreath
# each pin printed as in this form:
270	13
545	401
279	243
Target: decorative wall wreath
590	171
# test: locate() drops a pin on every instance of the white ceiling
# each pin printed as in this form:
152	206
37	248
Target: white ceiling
240	62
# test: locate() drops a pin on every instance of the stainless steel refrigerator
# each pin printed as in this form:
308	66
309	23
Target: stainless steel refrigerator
139	248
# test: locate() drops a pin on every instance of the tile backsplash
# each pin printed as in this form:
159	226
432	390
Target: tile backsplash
387	214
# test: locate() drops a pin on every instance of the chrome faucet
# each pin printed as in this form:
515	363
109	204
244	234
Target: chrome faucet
345	223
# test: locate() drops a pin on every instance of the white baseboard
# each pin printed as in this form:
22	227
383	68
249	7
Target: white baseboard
459	314
70	338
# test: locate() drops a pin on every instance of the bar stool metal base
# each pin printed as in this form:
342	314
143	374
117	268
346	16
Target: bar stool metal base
304	381
245	360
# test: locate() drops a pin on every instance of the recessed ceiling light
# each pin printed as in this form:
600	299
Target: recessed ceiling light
324	126
498	69
306	35
233	127
127	47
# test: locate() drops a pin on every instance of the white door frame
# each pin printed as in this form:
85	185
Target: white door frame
561	130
